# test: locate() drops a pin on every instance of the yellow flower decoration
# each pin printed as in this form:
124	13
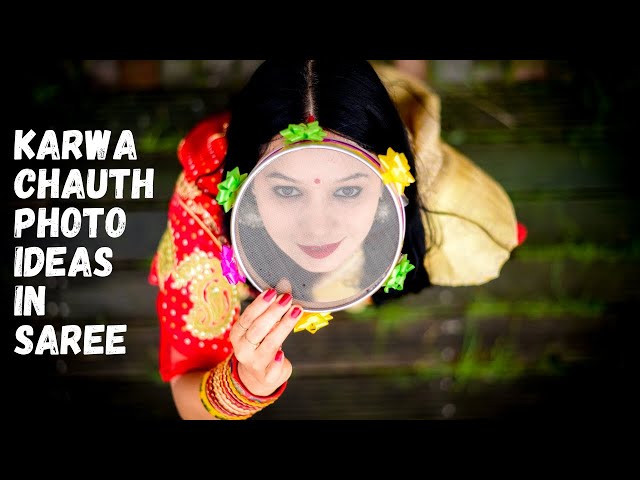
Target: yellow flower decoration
396	170
312	322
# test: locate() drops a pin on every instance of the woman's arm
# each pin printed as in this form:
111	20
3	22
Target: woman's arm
215	368
185	389
235	390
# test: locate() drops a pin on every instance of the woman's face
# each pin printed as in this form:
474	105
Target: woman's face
317	205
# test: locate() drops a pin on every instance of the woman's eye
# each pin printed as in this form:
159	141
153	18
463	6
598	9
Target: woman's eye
348	192
287	191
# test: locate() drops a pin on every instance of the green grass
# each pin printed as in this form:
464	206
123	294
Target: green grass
485	307
575	136
499	363
152	142
580	252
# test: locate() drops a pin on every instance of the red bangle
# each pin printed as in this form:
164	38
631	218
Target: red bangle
233	362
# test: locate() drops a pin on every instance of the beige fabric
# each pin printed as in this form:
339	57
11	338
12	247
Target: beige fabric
342	283
471	218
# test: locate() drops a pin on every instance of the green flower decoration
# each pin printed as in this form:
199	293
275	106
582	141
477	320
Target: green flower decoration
303	131
228	189
399	273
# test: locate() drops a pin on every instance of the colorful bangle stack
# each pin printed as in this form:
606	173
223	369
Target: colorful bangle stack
225	397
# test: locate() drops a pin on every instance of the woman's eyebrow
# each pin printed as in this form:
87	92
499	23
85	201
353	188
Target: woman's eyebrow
282	177
289	179
352	177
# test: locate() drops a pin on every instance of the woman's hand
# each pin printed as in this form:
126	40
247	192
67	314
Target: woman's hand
257	338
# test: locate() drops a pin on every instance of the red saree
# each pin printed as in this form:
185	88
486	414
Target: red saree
196	306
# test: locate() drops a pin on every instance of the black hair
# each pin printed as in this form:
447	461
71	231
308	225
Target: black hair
346	97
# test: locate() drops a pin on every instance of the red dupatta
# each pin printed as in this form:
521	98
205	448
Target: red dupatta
196	306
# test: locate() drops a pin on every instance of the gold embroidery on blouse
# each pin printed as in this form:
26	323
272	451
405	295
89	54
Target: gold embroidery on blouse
200	222
214	299
166	256
188	191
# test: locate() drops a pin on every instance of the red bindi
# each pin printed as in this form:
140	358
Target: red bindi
317	180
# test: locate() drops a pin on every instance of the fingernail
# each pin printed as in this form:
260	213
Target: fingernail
295	313
286	298
269	294
279	356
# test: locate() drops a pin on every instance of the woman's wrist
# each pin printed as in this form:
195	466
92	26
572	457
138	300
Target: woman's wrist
225	396
247	388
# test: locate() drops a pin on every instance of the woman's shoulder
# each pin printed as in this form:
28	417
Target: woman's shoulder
195	220
202	151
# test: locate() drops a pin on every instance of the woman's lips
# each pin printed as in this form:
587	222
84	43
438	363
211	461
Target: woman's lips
319	251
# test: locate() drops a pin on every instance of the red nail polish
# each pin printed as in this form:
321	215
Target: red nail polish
295	313
279	356
286	298
269	294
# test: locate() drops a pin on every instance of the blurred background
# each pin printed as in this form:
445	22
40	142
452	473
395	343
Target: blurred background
551	337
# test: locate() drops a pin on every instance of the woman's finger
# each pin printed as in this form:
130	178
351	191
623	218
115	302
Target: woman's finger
251	312
284	285
265	322
278	369
271	343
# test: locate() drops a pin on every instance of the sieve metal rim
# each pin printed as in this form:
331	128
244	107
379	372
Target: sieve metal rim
341	147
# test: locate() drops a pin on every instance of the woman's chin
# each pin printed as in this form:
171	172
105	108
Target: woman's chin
320	266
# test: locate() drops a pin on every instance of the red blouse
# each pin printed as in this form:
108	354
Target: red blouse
196	305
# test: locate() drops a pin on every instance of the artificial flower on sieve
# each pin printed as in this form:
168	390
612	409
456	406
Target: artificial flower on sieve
228	188
303	131
312	321
396	170
398	274
230	267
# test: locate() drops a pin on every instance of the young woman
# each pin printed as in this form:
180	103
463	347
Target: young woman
227	362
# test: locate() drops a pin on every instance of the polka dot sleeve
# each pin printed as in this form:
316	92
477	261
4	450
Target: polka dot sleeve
196	306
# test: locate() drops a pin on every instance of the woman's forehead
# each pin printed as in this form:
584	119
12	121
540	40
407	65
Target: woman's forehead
331	161
318	161
278	142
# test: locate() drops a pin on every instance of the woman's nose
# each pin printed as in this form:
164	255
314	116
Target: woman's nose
317	220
